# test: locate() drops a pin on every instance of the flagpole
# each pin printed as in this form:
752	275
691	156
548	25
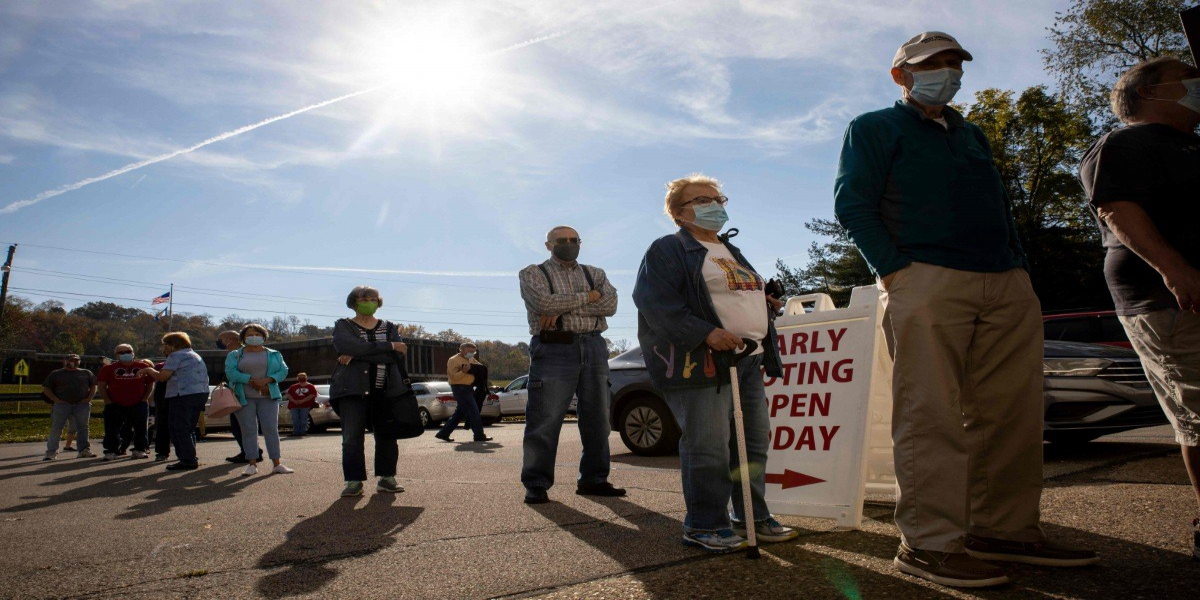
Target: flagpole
170	305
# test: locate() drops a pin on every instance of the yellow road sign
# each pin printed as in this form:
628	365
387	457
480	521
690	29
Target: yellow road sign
21	369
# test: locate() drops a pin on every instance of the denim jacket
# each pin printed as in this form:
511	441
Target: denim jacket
676	313
276	369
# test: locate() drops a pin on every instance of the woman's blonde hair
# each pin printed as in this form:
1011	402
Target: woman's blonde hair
675	191
177	339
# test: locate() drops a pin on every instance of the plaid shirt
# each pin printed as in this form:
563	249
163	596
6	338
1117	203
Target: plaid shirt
570	298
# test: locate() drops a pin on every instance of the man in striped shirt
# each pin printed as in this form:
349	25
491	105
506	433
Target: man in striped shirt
567	303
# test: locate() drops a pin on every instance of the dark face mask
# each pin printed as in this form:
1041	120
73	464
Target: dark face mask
566	252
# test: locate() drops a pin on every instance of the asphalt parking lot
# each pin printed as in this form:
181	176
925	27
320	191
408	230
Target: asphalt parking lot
77	528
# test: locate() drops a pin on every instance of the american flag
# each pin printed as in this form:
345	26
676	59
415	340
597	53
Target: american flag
161	299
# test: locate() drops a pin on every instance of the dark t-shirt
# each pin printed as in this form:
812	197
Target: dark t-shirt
1158	167
70	385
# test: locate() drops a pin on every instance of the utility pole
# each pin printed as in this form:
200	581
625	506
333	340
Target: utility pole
4	283
170	308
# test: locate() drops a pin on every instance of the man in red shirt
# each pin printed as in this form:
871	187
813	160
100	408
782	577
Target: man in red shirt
302	397
126	401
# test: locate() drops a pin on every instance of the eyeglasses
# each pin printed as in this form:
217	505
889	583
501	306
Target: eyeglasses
707	200
568	240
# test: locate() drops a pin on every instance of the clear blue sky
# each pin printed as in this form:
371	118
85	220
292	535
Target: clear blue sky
441	185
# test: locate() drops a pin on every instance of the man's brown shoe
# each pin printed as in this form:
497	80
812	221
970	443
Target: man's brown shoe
953	569
1045	553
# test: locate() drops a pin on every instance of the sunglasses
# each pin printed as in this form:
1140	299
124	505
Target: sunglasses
567	240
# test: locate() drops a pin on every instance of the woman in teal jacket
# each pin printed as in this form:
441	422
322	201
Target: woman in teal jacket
254	372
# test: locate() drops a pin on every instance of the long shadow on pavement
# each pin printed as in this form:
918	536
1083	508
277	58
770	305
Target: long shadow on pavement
339	533
55	466
170	490
478	447
812	574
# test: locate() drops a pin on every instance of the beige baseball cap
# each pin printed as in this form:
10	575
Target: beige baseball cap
926	44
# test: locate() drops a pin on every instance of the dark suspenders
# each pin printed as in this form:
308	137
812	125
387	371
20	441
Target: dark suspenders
560	336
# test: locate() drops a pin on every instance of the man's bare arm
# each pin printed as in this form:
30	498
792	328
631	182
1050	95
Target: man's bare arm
1133	227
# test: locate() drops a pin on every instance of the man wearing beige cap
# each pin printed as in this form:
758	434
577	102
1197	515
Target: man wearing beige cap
919	195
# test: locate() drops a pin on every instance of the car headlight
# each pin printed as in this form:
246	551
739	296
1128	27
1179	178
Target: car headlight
1074	367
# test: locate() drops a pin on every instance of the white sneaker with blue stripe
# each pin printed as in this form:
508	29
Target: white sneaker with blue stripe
719	541
767	530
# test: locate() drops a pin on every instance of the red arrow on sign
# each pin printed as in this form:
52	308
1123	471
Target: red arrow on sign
791	479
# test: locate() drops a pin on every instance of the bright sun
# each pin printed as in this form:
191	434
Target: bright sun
436	64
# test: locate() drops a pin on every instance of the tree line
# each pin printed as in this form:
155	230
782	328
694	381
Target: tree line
1037	137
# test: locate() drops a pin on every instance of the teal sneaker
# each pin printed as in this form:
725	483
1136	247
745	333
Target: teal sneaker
767	530
720	541
388	484
353	488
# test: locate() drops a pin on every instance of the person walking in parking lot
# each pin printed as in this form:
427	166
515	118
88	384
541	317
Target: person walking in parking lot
1143	184
302	398
364	388
567	303
254	372
686	326
921	198
458	371
187	391
126	397
71	389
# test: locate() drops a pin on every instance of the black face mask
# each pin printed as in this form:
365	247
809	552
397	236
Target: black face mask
566	252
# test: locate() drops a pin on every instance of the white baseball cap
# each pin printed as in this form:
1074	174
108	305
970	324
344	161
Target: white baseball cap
925	45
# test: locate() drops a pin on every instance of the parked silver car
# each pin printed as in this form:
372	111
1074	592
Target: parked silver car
436	403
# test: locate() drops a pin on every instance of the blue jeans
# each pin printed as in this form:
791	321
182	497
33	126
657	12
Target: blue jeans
299	420
60	413
557	372
708	456
260	414
184	415
356	412
131	420
467	410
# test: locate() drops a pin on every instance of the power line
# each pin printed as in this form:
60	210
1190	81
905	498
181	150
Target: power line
210	292
264	268
40	292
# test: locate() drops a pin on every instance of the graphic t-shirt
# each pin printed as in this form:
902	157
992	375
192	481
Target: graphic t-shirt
124	385
1157	167
297	392
737	294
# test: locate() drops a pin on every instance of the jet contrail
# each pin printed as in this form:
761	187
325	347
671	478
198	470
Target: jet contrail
46	195
395	271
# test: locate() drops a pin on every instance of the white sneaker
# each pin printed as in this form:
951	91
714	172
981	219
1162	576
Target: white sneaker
86	454
250	470
109	456
282	469
137	455
50	456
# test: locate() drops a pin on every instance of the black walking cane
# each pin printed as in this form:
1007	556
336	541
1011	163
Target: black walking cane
740	431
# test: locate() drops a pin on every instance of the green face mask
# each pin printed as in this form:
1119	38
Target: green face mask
367	308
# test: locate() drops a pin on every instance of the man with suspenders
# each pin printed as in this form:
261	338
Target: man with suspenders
567	304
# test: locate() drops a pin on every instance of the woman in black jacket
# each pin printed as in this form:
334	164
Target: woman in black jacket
365	384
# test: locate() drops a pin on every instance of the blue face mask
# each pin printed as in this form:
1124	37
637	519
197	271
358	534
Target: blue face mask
254	340
711	217
935	88
125	357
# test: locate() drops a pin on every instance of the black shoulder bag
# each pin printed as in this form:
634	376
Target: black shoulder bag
401	418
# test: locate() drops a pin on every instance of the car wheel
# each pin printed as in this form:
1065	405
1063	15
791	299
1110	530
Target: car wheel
425	418
1071	438
647	427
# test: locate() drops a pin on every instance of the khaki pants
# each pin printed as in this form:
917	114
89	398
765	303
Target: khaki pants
1168	342
967	405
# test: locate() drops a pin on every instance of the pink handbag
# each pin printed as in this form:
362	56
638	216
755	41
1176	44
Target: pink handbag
221	403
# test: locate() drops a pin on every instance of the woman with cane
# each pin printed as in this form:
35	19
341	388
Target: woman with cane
697	298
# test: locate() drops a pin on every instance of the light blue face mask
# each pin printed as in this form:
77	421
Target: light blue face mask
935	88
125	357
711	217
254	340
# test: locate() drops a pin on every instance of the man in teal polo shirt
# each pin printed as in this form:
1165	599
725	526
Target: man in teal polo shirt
919	195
